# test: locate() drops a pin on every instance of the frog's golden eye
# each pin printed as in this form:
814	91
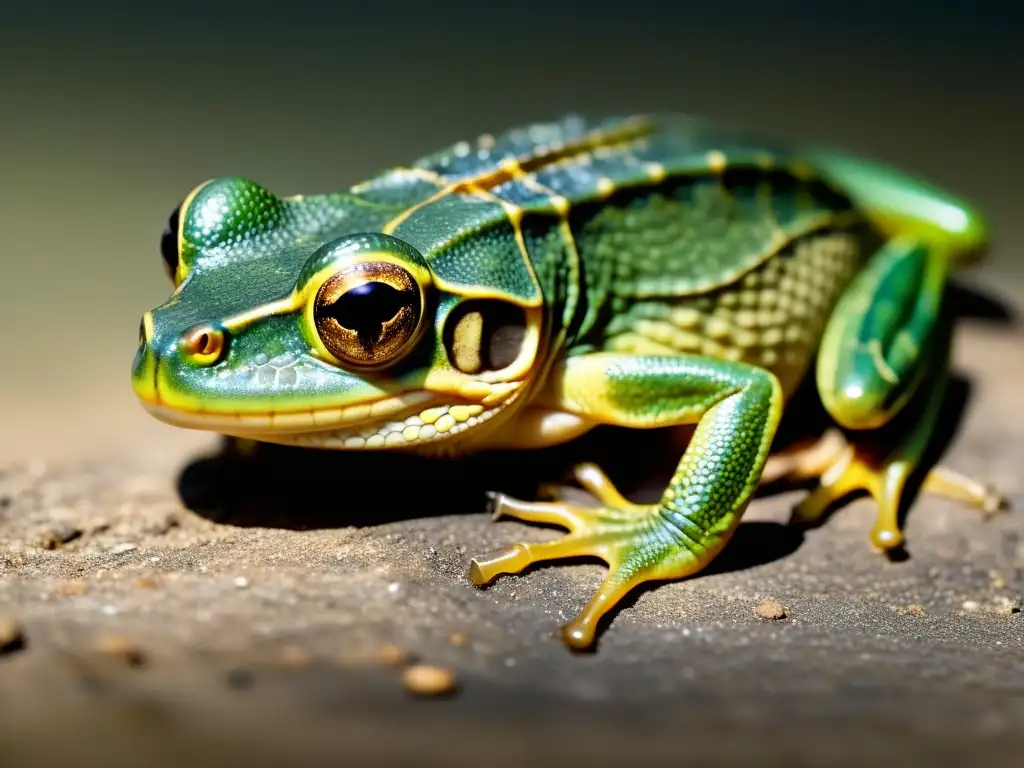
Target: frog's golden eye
369	314
169	243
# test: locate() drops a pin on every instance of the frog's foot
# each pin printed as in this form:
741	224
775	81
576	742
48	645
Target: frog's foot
853	470
636	542
804	461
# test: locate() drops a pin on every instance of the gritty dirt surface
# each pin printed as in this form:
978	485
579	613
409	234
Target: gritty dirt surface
171	608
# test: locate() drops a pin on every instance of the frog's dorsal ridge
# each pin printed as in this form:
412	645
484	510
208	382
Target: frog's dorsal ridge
760	195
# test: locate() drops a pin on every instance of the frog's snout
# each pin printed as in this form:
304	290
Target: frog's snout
201	346
144	365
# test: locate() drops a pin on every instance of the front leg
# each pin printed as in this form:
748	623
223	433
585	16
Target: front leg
736	408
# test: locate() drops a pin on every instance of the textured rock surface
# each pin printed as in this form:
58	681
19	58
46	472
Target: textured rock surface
249	609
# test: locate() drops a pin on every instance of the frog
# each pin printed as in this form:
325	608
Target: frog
519	290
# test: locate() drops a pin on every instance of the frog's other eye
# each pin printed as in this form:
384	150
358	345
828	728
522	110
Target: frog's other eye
369	314
169	243
485	335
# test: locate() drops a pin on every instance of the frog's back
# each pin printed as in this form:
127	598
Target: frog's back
760	191
689	238
578	155
745	196
672	222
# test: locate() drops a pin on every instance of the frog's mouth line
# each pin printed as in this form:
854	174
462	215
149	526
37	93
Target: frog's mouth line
392	422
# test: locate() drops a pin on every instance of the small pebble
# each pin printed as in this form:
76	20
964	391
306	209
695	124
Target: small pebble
971	606
915	610
59	536
770	609
241	582
1005	606
392	655
121	647
123	548
426	680
12	635
161	526
294	656
146	582
458	638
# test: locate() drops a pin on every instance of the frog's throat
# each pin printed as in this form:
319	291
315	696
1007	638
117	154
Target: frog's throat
406	420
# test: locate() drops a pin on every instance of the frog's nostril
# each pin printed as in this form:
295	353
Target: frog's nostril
203	344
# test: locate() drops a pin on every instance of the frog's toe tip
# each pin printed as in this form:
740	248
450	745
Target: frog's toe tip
578	637
477	575
887	539
484	570
994	503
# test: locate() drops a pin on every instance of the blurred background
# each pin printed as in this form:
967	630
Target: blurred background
112	111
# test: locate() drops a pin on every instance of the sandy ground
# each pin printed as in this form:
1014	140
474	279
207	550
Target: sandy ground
170	605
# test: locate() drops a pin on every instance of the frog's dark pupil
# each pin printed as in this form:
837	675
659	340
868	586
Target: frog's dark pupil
169	241
365	308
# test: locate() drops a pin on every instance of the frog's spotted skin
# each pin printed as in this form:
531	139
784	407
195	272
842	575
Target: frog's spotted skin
521	288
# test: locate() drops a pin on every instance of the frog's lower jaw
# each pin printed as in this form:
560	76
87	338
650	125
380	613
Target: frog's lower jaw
411	420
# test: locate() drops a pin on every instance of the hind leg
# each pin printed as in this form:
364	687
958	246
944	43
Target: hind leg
883	360
881	463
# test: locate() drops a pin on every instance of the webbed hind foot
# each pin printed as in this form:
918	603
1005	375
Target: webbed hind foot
626	536
856	468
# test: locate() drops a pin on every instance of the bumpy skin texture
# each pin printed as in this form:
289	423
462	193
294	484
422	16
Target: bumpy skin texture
642	272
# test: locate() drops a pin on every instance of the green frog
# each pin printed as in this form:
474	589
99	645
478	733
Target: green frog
518	290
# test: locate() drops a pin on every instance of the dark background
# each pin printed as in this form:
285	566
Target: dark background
112	111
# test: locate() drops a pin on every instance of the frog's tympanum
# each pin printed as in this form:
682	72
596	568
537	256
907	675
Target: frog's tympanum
521	289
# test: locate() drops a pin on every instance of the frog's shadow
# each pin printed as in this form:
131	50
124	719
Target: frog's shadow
306	489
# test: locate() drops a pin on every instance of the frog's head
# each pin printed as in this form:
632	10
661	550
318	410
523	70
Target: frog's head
282	330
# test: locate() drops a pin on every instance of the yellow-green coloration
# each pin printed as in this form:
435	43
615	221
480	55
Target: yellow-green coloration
642	272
